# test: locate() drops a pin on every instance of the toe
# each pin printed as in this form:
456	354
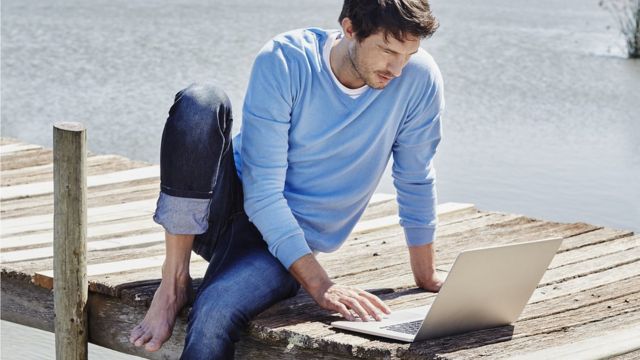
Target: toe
135	333
143	339
153	345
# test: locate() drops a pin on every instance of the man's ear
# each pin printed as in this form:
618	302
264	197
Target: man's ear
347	28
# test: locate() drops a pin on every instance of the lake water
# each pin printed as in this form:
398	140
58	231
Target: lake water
543	114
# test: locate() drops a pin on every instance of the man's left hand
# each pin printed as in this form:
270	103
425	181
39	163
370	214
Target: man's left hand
431	282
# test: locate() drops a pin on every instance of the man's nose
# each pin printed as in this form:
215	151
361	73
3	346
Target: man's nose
395	67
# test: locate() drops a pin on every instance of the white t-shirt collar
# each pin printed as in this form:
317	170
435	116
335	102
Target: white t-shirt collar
331	38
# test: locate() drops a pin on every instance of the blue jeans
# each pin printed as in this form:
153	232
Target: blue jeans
201	194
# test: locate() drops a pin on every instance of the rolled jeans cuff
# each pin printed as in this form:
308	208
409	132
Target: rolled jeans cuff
182	216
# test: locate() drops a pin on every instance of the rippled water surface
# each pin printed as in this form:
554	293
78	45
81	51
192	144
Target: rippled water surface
543	115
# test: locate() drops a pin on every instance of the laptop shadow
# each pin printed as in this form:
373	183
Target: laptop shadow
450	344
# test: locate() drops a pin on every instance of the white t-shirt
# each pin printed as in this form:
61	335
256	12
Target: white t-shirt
354	93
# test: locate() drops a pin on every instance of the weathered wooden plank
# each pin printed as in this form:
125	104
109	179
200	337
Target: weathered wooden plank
95	215
45	278
140	285
591	244
393	220
26	190
17	148
96	165
99	196
26	269
94	232
588	281
26	304
596	264
599	346
26	158
124	242
48	168
592	238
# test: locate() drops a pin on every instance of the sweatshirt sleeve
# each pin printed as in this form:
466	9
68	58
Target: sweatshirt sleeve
265	137
414	176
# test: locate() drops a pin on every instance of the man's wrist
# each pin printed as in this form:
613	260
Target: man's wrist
311	276
422	260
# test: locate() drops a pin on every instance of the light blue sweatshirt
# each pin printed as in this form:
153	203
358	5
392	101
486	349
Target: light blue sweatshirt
310	156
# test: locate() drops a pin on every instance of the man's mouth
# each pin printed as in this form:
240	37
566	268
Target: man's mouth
386	77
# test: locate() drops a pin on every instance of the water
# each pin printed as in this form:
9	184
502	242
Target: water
543	114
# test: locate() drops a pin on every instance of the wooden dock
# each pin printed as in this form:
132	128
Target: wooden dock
586	306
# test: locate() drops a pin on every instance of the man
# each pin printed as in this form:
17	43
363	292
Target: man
323	114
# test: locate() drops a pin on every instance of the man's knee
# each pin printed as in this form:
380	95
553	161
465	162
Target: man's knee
201	106
204	95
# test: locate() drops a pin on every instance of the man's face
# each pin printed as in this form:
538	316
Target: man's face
377	60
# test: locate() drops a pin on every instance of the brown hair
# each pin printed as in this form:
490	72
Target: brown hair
395	17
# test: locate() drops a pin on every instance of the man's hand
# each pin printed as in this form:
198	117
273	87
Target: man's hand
431	282
424	267
342	299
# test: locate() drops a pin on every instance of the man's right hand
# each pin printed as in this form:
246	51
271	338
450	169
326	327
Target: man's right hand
342	299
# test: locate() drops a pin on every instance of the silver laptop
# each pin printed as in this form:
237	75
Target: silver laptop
485	288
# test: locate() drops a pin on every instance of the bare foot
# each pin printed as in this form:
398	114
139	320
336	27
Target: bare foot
157	326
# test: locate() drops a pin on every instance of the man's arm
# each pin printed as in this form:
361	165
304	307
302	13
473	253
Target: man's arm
266	122
265	141
310	274
423	266
415	177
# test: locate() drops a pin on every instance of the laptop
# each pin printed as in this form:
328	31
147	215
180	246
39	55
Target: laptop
485	288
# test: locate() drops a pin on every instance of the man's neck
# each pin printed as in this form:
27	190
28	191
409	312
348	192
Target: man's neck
342	66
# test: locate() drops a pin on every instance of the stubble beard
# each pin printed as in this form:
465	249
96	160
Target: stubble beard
361	72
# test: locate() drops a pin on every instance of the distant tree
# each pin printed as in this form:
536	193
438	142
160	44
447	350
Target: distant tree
627	14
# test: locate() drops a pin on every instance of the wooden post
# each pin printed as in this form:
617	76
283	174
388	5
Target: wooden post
69	240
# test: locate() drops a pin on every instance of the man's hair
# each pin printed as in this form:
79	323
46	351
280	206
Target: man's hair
395	17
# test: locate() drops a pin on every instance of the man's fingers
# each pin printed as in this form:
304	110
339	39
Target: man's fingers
354	305
339	307
376	302
369	307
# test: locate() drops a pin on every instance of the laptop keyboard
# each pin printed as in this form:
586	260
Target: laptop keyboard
411	327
